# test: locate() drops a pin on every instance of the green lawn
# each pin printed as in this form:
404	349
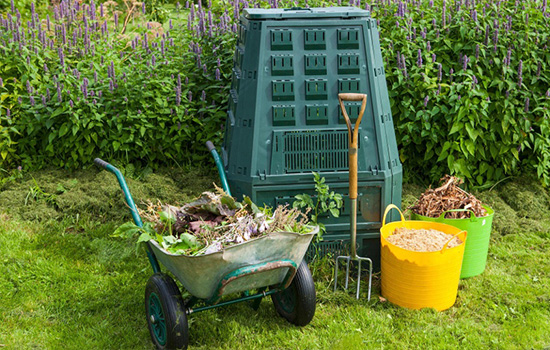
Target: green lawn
65	283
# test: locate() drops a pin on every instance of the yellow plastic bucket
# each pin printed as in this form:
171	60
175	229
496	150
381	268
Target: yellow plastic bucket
417	280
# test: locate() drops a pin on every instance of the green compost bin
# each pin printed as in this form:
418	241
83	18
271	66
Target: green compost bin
477	242
284	120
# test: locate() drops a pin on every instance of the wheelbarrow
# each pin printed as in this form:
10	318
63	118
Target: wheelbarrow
272	265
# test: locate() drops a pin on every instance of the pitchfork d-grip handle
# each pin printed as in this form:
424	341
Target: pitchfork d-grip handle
101	163
352	137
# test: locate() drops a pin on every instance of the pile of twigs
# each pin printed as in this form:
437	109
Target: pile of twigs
434	202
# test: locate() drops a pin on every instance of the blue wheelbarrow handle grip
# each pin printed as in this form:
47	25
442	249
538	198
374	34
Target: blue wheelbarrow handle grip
101	163
219	165
210	146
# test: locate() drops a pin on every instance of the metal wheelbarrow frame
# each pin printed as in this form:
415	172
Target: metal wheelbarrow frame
271	265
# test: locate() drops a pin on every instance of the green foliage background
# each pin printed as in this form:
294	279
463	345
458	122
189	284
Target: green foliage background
486	120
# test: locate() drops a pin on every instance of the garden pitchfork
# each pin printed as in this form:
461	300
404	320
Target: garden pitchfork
353	142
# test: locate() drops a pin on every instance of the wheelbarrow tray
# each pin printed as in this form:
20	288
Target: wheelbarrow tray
257	263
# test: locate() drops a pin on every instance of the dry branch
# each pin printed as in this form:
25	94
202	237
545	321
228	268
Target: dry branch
434	202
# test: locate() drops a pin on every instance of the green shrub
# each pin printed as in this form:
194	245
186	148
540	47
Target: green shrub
91	86
468	85
480	109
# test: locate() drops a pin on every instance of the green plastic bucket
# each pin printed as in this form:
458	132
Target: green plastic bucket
477	244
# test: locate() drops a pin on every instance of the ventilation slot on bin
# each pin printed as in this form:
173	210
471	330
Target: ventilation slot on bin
315	64
283	115
281	39
314	39
316	89
316	114
348	63
353	109
282	65
315	151
348	38
282	90
349	85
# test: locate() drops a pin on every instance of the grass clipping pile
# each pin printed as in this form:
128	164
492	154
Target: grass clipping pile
434	202
422	240
211	223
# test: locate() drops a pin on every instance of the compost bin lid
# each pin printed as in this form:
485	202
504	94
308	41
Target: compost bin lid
309	13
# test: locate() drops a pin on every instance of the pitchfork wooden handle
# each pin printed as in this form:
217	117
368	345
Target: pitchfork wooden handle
352	137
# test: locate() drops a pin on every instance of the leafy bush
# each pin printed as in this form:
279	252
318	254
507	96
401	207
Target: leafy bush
468	84
93	81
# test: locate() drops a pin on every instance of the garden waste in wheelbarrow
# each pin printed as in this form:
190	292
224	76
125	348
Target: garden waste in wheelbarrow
269	265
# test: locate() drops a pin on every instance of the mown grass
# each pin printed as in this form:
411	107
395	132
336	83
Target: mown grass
65	283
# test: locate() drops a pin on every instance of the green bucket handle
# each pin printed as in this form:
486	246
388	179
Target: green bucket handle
443	250
388	208
473	216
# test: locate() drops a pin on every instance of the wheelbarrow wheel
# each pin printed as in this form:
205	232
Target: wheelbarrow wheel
166	313
297	303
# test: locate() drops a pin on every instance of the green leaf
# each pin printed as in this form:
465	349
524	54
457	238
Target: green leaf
167	217
190	240
63	130
144	237
126	230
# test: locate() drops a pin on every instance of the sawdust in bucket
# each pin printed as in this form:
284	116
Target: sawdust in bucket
421	240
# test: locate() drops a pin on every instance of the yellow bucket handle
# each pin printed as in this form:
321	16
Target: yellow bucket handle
449	241
388	208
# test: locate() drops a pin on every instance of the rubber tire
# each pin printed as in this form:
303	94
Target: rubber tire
173	309
297	303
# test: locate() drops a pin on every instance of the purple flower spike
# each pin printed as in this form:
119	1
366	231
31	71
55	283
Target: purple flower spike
419	59
32	101
426	99
1	83
143	7
520	72
548	93
190	96
428	46
71	103
465	61
29	87
61	56
433	57
218	74
153	60
203	96
43	100
477	51
8	112
526	105
539	66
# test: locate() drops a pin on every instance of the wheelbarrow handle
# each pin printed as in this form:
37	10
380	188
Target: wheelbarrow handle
101	163
131	205
219	165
